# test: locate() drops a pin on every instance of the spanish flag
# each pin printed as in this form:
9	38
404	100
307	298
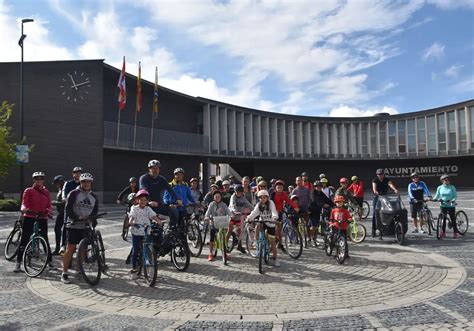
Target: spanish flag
122	98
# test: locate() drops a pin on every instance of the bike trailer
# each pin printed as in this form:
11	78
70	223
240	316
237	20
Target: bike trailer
389	209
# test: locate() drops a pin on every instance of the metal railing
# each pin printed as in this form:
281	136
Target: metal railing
163	140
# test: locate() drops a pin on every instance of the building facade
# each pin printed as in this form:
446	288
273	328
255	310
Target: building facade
78	125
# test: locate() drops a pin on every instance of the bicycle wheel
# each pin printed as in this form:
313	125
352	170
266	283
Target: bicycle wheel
399	233
35	256
180	256
251	241
125	228
260	256
439	224
150	264
100	245
365	209
341	249
293	242
232	242
328	243
302	231
357	232
193	236
223	245
88	259
462	222
13	243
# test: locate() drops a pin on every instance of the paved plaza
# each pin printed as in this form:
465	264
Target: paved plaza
426	284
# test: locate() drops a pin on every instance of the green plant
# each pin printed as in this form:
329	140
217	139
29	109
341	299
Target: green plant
7	150
9	205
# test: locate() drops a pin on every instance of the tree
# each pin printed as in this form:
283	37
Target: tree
7	150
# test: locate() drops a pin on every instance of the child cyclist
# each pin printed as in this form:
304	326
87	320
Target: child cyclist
216	208
265	208
140	215
339	213
279	198
239	205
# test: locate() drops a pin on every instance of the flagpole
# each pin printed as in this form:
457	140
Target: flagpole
118	127
122	98
153	110
152	127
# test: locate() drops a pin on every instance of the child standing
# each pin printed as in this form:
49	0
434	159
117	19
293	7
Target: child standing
216	208
339	213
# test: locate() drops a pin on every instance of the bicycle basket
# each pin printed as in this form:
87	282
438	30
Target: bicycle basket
221	222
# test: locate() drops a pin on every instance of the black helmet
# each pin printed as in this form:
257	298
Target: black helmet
77	169
317	183
132	179
380	171
57	179
239	188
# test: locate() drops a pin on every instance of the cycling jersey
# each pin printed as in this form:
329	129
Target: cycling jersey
182	192
80	205
36	200
417	190
357	189
381	186
280	198
340	214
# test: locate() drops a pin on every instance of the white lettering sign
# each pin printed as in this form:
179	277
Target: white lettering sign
425	171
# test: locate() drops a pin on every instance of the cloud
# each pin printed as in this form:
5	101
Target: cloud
347	111
452	4
435	52
451	72
465	86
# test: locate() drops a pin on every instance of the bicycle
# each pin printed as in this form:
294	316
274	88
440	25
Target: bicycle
221	223
174	244
37	252
263	246
303	230
13	240
91	253
425	217
365	210
232	238
462	221
193	234
147	255
336	239
356	231
292	238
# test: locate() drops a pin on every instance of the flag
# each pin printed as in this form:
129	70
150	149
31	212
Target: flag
139	88
122	98
155	94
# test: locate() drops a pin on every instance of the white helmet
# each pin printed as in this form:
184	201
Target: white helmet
38	174
154	163
86	177
262	192
322	176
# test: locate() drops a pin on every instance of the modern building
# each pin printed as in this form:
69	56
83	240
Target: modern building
71	118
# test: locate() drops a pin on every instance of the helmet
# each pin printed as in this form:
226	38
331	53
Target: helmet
178	170
194	179
321	176
339	198
38	174
343	180
415	174
258	179
262	183
380	171
132	179
214	185
239	188
216	192
262	193
86	177
57	179
130	197
353	178
304	174
77	169
445	176
154	163
226	182
291	188
279	182
317	183
272	181
142	193
324	180
293	196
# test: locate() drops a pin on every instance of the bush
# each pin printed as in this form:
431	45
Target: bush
9	205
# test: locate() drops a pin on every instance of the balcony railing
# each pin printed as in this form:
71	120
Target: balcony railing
161	140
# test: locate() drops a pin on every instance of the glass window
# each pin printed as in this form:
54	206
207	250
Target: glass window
441	132
402	147
364	138
462	129
411	132
431	135
452	131
383	137
373	139
392	137
420	124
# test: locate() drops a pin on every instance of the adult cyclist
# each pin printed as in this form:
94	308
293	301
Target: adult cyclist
380	186
132	187
183	193
416	192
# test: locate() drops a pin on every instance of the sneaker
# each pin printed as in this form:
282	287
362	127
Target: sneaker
415	231
421	231
276	263
62	250
210	257
51	266
133	271
241	250
443	234
65	278
17	267
456	235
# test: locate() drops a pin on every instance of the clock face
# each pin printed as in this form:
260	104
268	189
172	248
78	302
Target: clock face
74	86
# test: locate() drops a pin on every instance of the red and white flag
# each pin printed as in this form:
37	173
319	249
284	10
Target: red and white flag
122	98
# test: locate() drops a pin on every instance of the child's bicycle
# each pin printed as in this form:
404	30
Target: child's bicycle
291	238
356	230
174	243
13	240
147	255
425	216
36	254
221	223
263	246
335	239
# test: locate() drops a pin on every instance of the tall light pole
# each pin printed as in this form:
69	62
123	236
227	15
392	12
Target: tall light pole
20	42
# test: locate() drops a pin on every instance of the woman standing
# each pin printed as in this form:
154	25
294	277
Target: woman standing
447	195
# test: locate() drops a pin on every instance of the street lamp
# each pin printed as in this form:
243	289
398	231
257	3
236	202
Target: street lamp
20	42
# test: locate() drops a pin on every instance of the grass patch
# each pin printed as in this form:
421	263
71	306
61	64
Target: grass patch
9	205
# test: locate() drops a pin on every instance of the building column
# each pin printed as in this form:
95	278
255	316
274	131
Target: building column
282	142
232	132
223	143
436	134
215	128
377	138
307	139
343	143
274	128
249	128
468	129
266	136
240	133
359	132
456	129
299	138
206	118
291	138
316	143
257	134
416	136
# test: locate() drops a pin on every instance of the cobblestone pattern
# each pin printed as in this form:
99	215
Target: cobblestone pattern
413	315
351	322
120	322
225	325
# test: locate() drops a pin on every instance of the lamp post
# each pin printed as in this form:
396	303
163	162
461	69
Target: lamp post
20	42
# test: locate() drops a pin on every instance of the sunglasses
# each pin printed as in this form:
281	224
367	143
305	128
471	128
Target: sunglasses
38	178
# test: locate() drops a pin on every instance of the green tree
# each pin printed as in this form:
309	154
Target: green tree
7	150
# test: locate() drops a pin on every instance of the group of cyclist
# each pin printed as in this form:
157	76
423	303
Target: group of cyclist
152	195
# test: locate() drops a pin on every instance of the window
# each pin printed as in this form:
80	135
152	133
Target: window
383	137
462	129
420	124
411	132
452	131
364	138
431	134
402	147
441	132
392	137
373	139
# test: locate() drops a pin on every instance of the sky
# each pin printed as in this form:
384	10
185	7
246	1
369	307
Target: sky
315	58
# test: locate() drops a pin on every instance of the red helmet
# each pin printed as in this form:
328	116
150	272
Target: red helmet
279	182
343	180
142	193
339	198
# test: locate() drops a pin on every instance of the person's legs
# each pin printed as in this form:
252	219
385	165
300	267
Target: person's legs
44	233
26	232
64	233
374	217
452	215
136	242
58	232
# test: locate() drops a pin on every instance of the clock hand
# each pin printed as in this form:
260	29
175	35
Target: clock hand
83	83
73	82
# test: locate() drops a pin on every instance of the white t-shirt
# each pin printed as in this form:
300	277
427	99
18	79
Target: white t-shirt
141	216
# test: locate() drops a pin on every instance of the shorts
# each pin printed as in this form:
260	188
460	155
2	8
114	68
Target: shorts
359	201
74	236
213	233
415	208
314	220
270	229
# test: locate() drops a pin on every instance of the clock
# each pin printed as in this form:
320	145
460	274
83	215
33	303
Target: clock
75	86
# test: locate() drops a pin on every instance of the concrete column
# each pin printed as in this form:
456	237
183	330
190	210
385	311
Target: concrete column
333	139
416	136
274	142
456	128
325	139
266	135
215	128
359	133
426	134
249	134
369	143
377	138
240	132
468	128
206	119
232	132
282	142
299	138
436	134
307	139
223	143
316	149
257	134
291	138
343	143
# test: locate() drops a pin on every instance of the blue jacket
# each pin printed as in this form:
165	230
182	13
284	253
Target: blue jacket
416	191
182	192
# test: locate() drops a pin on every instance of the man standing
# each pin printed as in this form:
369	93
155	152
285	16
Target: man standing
68	187
380	186
416	191
304	199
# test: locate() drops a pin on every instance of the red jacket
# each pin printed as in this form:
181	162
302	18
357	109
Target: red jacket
357	189
308	185
37	200
280	198
340	214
